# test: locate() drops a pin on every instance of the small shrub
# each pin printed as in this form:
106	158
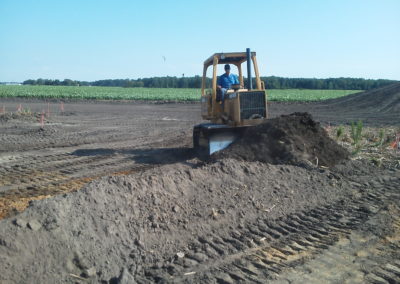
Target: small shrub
356	132
381	137
339	132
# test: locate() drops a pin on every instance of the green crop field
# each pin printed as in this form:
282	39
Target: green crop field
117	93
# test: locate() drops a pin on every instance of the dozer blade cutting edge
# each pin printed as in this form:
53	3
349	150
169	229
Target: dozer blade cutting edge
209	138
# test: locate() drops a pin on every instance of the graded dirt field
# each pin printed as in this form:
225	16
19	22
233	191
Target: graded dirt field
125	199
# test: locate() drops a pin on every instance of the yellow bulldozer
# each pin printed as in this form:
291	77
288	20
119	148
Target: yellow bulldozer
240	108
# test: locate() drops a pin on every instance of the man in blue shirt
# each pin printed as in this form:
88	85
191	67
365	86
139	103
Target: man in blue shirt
225	81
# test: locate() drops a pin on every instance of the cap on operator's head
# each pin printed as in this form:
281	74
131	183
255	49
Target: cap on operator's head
227	67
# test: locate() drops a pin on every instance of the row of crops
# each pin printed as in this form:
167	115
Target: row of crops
164	94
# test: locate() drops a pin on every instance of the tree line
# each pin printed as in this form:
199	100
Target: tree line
271	82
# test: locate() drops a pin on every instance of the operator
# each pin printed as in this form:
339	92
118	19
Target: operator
225	81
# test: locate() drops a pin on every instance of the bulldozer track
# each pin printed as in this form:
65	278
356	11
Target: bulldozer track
36	174
264	250
36	177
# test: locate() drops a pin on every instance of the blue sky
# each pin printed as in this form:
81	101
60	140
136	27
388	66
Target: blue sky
91	40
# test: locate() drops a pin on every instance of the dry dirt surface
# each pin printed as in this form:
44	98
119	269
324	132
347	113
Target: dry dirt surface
376	107
111	192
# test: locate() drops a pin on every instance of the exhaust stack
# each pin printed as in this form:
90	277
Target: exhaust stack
249	80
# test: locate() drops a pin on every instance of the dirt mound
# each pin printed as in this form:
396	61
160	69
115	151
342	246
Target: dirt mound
380	100
140	221
378	107
289	139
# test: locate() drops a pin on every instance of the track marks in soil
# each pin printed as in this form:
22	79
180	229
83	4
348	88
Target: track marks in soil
70	173
356	258
45	176
326	238
36	174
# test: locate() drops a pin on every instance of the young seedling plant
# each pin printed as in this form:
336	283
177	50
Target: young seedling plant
356	135
339	132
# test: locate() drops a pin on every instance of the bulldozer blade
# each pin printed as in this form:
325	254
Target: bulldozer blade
220	141
210	138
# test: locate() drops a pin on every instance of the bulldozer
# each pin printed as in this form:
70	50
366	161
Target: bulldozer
242	107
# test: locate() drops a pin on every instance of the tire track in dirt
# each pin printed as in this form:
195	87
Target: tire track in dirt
267	251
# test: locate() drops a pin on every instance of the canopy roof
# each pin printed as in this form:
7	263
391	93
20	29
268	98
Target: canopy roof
228	58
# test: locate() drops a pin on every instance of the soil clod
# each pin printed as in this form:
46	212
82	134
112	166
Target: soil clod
34	225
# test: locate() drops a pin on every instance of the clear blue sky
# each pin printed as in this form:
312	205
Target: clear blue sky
91	40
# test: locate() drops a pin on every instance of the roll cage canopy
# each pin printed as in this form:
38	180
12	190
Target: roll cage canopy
235	58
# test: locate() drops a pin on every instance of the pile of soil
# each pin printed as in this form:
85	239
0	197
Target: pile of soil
377	107
131	223
381	100
294	139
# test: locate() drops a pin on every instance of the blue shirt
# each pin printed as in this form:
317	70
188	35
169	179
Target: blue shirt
226	81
